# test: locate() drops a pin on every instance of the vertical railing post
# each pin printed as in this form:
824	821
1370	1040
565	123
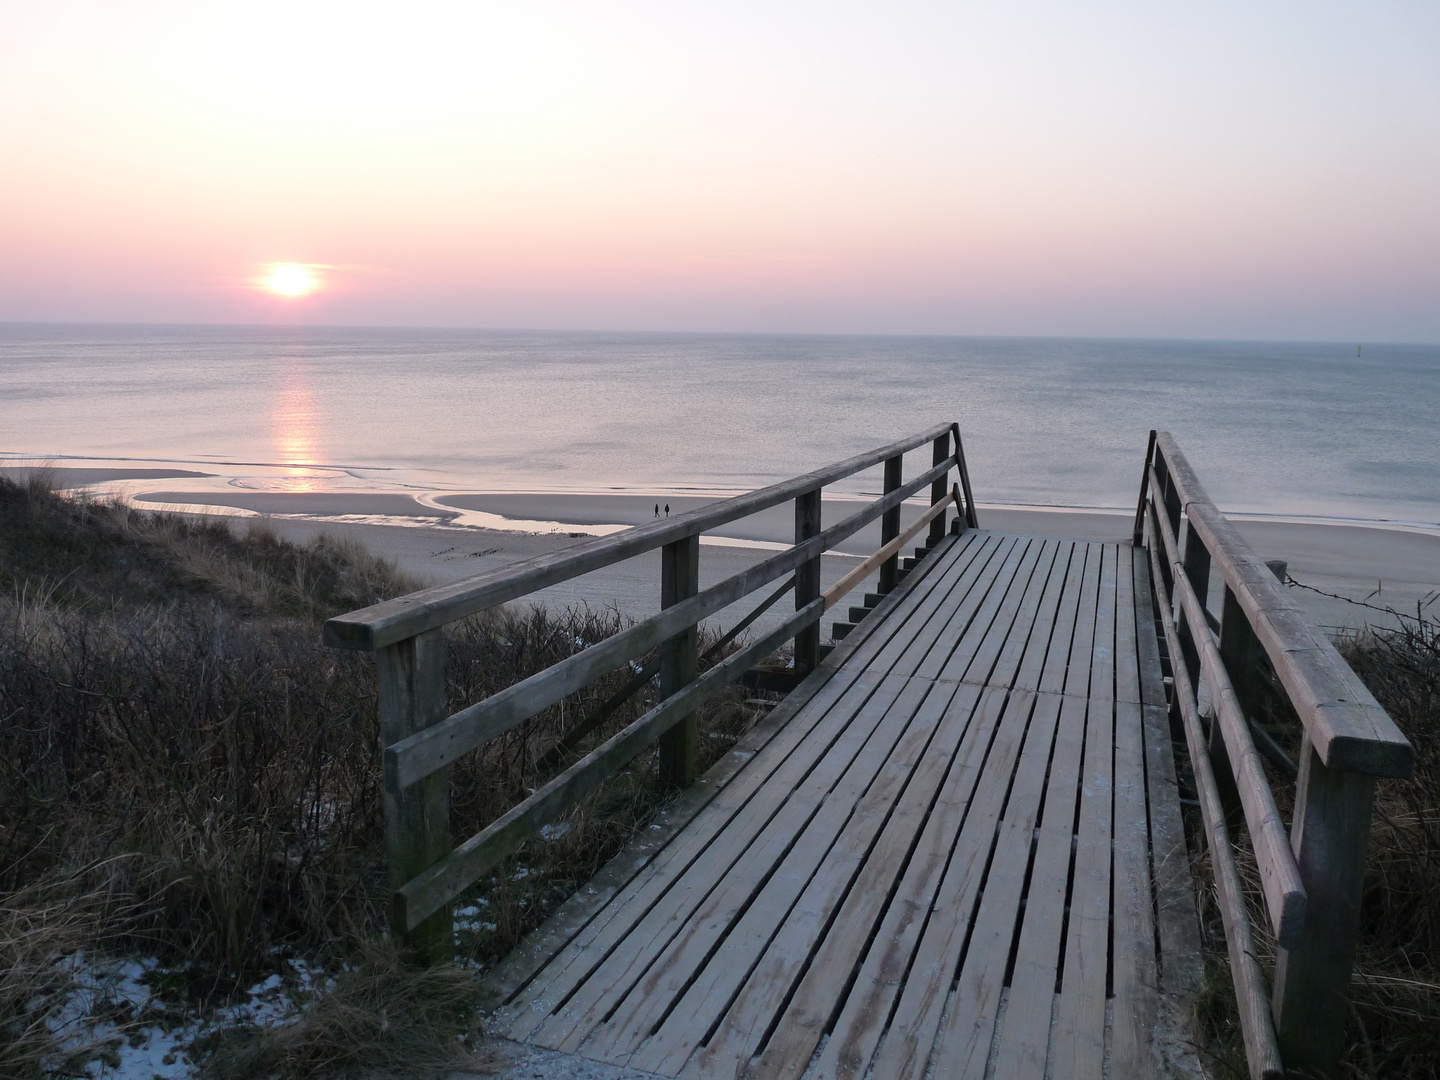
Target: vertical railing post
890	521
679	659
939	489
1241	653
410	676
1196	563
1137	537
807	581
1329	833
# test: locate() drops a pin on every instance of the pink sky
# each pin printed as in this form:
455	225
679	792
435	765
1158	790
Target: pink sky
1110	168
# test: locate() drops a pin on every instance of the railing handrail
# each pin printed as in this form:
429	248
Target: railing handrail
1348	727
458	734
1312	881
418	742
395	620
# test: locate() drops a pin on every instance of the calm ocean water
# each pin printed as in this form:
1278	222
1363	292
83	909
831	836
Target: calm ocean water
1305	429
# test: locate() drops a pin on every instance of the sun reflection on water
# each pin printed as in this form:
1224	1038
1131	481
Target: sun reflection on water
295	429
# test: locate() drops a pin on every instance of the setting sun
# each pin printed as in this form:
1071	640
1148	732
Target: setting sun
287	279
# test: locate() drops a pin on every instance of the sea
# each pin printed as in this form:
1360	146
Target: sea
1291	429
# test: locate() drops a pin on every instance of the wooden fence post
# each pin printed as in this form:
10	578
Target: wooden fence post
411	680
1196	563
939	489
679	658
890	522
807	581
1329	833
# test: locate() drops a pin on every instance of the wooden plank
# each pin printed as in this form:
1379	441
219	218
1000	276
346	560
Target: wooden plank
1102	647
958	644
961	589
799	899
1025	1036
855	576
917	1012
964	632
1176	919
784	810
788	725
1136	978
788	758
952	555
805	720
506	978
1012	623
1027	675
743	911
1057	656
394	620
1127	653
837	948
1079	1039
902	614
1078	669
954	824
963	1047
447	877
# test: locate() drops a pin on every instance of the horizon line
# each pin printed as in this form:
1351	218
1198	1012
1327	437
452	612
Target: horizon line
717	333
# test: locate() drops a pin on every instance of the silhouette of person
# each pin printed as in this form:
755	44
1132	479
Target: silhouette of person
667	509
657	509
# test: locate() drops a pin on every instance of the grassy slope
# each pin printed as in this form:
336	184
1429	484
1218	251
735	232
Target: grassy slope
182	758
1394	1025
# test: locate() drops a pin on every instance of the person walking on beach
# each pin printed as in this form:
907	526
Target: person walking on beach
657	509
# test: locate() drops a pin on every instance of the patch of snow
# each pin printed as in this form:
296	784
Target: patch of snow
113	1007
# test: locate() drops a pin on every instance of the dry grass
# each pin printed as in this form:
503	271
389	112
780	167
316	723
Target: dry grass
380	1016
38	928
173	732
1394	1027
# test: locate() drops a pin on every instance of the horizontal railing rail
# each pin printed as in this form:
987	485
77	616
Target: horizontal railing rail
382	624
1310	880
419	742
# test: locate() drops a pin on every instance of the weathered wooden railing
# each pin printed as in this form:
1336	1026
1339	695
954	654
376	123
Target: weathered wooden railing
419	741
1311	881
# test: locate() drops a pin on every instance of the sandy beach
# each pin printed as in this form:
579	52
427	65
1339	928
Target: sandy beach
440	538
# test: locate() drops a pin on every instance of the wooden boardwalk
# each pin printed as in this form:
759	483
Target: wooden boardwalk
955	850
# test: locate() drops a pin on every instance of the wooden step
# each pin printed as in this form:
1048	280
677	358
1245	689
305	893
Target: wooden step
840	629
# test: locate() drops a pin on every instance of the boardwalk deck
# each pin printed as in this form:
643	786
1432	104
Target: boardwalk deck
943	860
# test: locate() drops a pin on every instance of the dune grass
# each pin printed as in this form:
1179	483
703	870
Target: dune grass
1394	1023
180	751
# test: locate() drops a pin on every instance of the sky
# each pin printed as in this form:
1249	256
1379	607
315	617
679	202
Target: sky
1218	170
